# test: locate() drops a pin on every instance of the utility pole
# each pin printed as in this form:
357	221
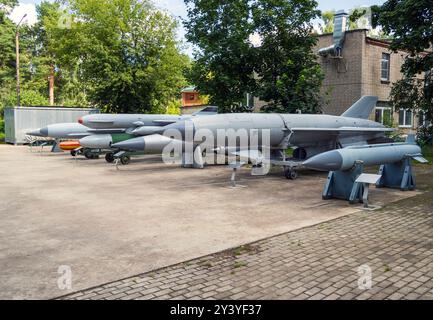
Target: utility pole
17	51
51	85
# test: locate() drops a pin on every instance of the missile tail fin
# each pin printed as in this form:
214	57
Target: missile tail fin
362	108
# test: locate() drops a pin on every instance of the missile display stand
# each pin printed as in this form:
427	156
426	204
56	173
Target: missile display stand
56	147
343	185
193	160
397	175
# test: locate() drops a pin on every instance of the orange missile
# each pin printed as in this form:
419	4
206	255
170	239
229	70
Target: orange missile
69	145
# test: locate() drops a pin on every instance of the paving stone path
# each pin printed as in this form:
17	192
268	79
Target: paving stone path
327	261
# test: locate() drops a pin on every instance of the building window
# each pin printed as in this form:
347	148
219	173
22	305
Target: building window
405	118
385	67
383	115
422	120
191	97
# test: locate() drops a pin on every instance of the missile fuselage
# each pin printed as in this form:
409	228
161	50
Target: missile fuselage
345	159
122	121
277	127
104	141
62	131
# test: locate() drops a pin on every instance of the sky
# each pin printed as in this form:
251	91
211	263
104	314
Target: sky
177	8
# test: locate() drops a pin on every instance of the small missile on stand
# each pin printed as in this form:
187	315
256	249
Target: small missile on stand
346	165
345	159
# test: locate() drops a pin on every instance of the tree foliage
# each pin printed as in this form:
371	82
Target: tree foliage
224	62
121	55
125	51
281	70
289	77
7	51
410	24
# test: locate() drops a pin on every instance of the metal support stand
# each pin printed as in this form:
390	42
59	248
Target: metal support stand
233	178
42	147
235	166
397	175
366	180
193	160
342	185
198	158
56	147
365	194
117	158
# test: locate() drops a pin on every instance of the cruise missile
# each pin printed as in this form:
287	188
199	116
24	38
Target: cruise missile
345	159
62	131
104	141
149	144
153	121
311	134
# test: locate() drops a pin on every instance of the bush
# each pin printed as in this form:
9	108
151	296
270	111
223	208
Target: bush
425	136
427	152
2	131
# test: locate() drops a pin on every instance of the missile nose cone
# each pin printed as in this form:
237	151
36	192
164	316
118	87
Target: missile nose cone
328	161
44	132
39	132
136	144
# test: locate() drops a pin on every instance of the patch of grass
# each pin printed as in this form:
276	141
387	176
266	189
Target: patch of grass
242	249
2	137
323	226
289	152
297	243
427	151
240	264
206	263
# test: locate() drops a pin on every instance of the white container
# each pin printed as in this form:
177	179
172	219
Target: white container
20	120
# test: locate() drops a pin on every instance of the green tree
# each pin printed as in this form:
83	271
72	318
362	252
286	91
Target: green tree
328	21
289	77
124	51
410	23
224	62
327	18
282	70
7	52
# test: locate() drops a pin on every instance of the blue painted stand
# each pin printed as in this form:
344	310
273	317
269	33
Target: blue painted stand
342	185
56	147
397	175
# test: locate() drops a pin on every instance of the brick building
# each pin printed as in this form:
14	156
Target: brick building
191	100
366	66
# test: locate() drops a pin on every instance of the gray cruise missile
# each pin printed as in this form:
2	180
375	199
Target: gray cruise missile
62	131
345	159
149	144
104	141
150	122
311	134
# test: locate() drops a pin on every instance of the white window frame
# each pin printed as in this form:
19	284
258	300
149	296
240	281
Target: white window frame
388	69
404	119
424	123
382	109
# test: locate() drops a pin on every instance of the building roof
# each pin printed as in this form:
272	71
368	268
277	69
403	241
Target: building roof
189	89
